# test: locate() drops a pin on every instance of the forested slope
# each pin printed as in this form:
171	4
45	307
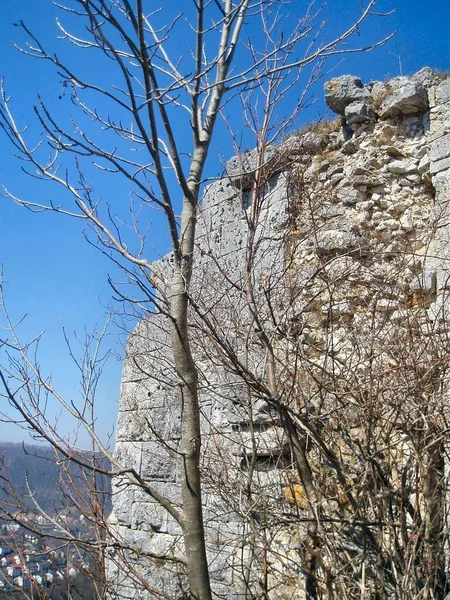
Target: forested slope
33	477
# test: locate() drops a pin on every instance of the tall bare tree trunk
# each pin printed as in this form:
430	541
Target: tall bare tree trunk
192	523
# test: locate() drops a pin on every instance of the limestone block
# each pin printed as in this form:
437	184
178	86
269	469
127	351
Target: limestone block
439	120
400	167
309	142
241	169
425	77
333	211
443	91
131	427
269	443
440	148
165	579
120	585
261	413
407	222
350	196
222	233
123	496
163	544
441	184
128	454
337	242
408	99
171	491
440	165
148	408
358	112
138	540
349	147
219	511
147	516
342	91
275	207
157	462
150	516
424	164
221	561
149	403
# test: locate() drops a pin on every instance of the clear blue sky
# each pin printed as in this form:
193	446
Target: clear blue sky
51	273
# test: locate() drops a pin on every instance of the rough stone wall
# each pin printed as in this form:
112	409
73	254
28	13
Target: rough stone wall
349	234
148	422
370	205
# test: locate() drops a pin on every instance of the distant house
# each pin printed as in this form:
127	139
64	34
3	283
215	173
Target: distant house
5	548
34	567
72	571
7	560
22	582
49	577
15	570
40	519
46	565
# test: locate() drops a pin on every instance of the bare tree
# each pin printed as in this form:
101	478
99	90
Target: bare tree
140	108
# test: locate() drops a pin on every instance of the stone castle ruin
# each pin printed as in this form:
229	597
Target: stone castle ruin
340	256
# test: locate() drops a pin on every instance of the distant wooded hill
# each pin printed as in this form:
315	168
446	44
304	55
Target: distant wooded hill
34	475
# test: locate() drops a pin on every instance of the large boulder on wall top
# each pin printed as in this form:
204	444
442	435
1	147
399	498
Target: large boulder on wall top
408	99
345	90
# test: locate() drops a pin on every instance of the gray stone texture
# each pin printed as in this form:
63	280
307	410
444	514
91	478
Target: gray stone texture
408	99
338	242
443	92
359	112
440	148
241	169
309	142
342	91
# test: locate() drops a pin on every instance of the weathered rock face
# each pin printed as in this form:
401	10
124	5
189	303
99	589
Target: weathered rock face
349	233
